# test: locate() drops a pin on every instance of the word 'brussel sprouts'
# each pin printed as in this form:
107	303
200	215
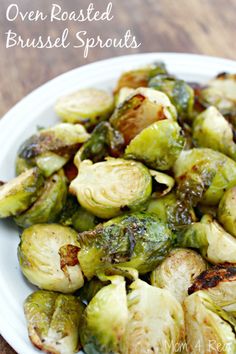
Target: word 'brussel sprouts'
208	327
53	321
157	146
110	187
51	148
155	322
105	319
48	257
227	211
212	130
86	106
214	243
49	204
20	193
144	107
178	271
203	175
137	240
219	282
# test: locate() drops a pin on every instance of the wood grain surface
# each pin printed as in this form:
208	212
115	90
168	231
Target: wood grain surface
192	26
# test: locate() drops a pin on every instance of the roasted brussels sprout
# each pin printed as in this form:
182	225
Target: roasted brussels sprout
53	321
162	183
212	130
137	240
90	289
48	257
227	211
214	243
123	94
110	187
49	204
86	106
140	77
178	271
155	322
105	319
219	282
20	193
203	175
144	107
209	329
51	148
157	146
179	92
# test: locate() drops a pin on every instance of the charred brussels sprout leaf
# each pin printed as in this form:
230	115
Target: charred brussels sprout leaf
48	257
49	204
139	240
208	326
178	271
227	211
110	187
144	107
157	146
87	107
203	175
20	193
212	130
53	321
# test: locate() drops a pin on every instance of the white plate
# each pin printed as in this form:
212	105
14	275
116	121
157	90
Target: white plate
37	109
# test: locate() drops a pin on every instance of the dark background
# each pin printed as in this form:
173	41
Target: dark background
191	26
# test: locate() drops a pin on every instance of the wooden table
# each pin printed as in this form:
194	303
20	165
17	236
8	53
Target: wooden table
193	26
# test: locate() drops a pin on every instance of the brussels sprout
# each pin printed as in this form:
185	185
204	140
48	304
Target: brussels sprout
51	148
178	271
83	220
137	240
90	289
122	95
203	175
211	129
144	107
20	193
87	107
22	165
49	204
214	243
162	183
110	187
140	77
48	257
105	319
157	146
227	211
209	329
179	92
219	282
53	321
155	322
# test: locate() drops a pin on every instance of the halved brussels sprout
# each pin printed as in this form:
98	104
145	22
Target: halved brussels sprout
53	321
227	211
48	257
138	240
219	282
110	187
49	204
178	271
157	146
144	107
212	130
140	77
105	319
20	193
214	243
86	106
209	329
203	175
179	92
155	323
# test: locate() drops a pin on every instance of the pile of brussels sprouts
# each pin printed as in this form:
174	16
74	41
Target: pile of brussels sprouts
127	212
